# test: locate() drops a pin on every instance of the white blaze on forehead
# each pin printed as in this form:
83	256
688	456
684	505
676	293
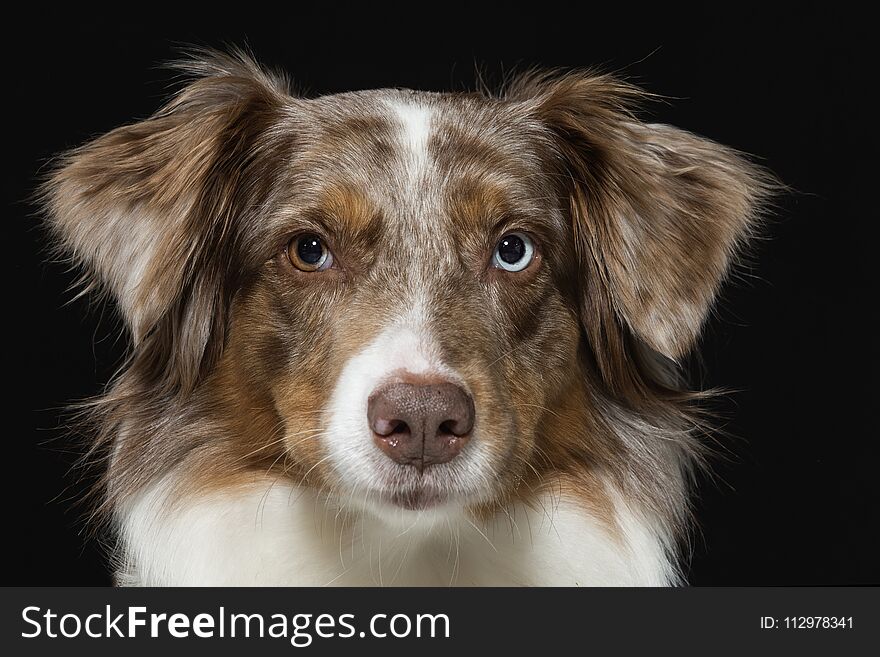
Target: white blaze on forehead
414	120
418	202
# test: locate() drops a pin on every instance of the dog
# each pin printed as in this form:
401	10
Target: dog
395	337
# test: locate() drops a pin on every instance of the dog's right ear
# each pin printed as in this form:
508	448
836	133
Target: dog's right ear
149	210
658	217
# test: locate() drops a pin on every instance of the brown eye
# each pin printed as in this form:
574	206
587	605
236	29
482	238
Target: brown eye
308	252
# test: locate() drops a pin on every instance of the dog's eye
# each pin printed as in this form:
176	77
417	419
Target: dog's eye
514	252
308	252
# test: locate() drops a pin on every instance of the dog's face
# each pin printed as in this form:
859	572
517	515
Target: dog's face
414	319
411	301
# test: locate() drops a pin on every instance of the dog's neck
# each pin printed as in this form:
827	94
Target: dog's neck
272	533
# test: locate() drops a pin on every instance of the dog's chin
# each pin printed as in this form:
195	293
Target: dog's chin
414	500
411	506
411	510
420	499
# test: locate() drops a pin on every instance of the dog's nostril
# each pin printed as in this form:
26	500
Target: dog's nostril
400	427
420	425
448	428
388	427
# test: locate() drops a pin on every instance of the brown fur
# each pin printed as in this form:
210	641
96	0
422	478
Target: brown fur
235	353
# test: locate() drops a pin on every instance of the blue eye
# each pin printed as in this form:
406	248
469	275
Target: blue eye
308	252
514	252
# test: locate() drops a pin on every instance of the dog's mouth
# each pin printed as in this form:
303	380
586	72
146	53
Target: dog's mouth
433	488
416	499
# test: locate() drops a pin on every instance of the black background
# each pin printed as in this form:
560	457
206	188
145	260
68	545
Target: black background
795	333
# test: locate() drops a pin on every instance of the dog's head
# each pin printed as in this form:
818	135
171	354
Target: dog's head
409	300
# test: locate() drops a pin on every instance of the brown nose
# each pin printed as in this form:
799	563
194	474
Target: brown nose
420	425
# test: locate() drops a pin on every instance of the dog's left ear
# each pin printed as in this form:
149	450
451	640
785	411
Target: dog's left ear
151	211
658	213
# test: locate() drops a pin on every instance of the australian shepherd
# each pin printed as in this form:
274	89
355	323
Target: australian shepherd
394	337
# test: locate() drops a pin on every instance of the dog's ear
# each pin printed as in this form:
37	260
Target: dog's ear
149	210
658	213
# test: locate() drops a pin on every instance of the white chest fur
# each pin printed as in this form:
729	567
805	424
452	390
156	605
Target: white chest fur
272	534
